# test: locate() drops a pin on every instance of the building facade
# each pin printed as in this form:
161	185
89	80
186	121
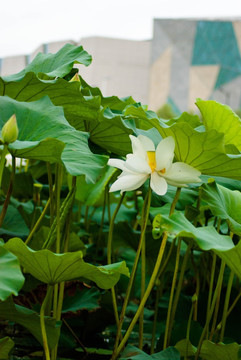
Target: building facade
195	59
186	59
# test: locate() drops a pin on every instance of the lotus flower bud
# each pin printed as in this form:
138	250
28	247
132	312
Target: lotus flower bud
75	78
10	130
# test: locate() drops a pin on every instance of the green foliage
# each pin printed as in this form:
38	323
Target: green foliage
221	118
55	65
11	276
6	345
224	203
72	126
30	320
134	353
52	268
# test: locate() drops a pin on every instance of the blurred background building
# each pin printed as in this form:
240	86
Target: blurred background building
184	60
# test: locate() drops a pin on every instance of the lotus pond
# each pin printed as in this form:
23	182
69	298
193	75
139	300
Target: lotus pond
120	231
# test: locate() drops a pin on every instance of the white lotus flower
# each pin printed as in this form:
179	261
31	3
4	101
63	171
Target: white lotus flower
146	161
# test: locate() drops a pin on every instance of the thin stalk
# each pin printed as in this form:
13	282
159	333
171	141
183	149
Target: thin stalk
2	162
145	216
188	331
175	200
211	286
26	166
108	205
231	308
198	205
167	258
143	286
38	222
86	217
215	316
51	193
74	335
153	338
111	229
42	323
167	330
179	286
9	192
196	270
158	294
210	313
109	251
58	183
101	224
145	297
226	303
57	199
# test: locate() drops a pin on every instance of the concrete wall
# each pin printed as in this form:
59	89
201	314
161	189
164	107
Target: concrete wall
119	67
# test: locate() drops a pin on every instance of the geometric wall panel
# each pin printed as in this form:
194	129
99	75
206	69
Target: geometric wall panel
201	82
160	78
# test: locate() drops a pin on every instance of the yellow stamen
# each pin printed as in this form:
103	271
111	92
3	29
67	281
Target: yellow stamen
152	160
163	171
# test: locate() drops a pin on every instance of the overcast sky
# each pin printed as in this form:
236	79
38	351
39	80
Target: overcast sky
26	24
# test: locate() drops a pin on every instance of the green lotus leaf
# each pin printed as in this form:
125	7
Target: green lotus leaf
206	238
55	65
31	321
133	353
204	150
209	350
52	268
84	113
44	134
6	345
224	203
86	298
212	351
11	277
220	117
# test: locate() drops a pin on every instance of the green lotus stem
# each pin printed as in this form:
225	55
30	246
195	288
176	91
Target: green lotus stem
188	330
38	222
26	166
2	162
146	295
211	286
211	310
109	251
58	190
143	287
195	310
179	287
51	192
175	200
42	322
198	205
226	303
158	294
167	258
153	338
215	316
101	223
167	330
145	216
111	228
9	192
231	308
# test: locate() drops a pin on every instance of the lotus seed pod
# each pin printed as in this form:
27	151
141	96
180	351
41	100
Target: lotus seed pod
10	130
